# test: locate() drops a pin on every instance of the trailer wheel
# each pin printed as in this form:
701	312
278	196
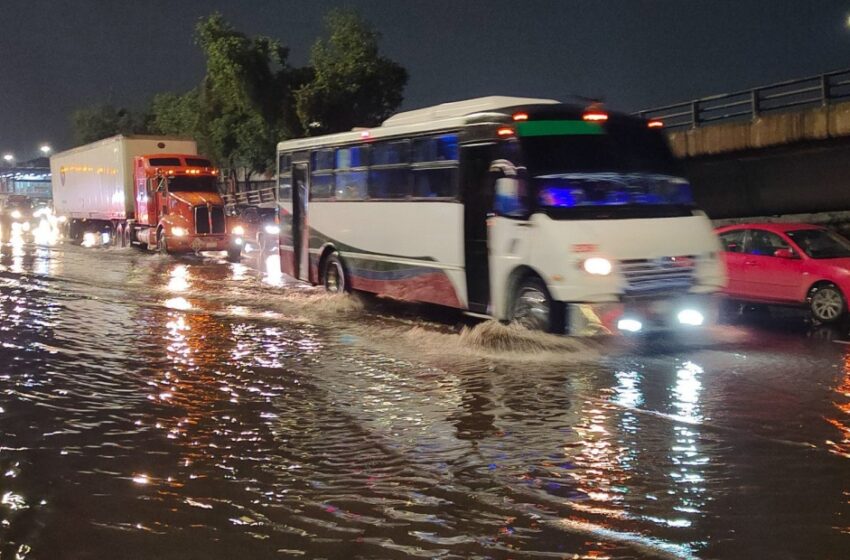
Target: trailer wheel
334	277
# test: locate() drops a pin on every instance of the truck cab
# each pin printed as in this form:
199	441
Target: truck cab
178	207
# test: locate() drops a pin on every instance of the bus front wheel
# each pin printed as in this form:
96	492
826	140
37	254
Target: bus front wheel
534	309
334	276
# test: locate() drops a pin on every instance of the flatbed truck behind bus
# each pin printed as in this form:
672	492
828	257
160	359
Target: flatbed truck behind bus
152	192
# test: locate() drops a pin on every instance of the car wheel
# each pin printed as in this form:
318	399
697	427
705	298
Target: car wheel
534	309
334	276
827	303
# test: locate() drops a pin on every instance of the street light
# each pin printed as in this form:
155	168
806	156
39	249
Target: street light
45	149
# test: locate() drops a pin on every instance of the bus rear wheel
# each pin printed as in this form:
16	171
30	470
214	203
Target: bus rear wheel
534	309
334	276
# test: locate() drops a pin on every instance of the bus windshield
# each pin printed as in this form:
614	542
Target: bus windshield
621	170
181	183
607	195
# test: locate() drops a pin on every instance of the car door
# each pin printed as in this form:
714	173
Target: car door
732	242
768	276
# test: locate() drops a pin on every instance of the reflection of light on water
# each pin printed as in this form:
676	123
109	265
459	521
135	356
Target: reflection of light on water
685	454
179	303
687	392
179	280
841	421
141	479
240	271
628	392
237	310
274	276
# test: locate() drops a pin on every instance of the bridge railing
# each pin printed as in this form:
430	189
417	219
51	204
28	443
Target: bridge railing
750	104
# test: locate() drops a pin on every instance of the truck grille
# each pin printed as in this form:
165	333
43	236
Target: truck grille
664	274
202	219
217	219
209	219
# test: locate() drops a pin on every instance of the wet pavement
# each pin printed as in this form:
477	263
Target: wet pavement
155	407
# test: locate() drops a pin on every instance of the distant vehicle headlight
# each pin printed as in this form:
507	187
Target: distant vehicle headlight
62	219
238	230
16	214
598	266
272	229
178	231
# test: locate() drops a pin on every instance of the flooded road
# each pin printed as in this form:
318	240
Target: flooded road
154	407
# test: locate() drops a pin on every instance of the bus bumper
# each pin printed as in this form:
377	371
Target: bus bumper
643	315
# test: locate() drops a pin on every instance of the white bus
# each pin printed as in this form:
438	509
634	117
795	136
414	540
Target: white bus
518	209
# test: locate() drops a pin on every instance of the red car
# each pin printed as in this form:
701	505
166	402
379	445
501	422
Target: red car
788	264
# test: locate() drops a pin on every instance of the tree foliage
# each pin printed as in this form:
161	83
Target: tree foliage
102	121
251	97
353	85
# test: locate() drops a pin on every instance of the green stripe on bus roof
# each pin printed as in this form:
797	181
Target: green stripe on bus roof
557	128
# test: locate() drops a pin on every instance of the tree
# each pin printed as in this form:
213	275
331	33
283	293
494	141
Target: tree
175	115
245	102
353	85
102	121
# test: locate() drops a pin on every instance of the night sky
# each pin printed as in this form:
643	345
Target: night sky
60	55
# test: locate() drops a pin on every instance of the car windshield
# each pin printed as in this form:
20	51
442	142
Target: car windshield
821	243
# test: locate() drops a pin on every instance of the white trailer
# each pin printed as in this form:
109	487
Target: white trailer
94	182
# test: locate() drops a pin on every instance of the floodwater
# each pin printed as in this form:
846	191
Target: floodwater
155	407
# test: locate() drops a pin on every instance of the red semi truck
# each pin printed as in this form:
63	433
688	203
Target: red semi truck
152	192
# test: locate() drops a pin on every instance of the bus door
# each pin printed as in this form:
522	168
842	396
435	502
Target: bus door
509	230
300	236
477	207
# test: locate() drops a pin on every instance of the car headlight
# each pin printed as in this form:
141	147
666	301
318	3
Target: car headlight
16	214
238	230
597	265
272	229
178	231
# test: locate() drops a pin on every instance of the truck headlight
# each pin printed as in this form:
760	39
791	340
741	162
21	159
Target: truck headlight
238	230
16	215
178	231
597	265
272	229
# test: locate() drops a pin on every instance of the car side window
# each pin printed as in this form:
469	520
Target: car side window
733	241
765	243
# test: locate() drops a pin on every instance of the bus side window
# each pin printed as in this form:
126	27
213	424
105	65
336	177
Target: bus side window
435	168
284	177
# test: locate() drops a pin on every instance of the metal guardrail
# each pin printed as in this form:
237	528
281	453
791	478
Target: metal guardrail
746	105
258	197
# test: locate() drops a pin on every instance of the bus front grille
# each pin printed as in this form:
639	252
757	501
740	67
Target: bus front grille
665	274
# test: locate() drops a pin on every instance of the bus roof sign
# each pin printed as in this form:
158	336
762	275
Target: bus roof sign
558	128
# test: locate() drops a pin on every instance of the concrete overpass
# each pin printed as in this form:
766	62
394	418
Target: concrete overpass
782	149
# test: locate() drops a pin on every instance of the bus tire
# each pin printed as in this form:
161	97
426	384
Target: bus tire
334	277
534	308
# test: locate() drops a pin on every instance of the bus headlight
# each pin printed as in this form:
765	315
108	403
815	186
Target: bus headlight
178	231
597	265
272	229
690	317
238	230
629	325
